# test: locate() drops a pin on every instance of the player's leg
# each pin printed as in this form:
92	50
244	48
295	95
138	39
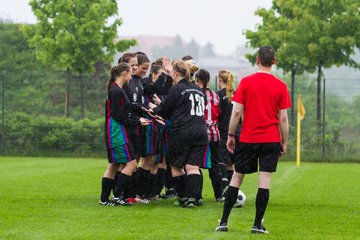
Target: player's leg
268	159
124	180
246	156
179	181
161	176
108	183
125	155
193	183
215	172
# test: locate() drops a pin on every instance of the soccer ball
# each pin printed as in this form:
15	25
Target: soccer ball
241	200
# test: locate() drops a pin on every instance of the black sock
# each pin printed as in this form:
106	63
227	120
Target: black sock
141	181
229	175
132	187
152	185
230	200
169	184
193	186
180	186
161	179
201	186
262	199
122	181
215	176
107	185
115	179
224	175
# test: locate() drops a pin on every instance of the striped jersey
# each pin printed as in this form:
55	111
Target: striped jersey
212	111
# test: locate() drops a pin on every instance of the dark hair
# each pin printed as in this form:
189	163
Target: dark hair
159	62
266	56
187	57
117	71
182	68
154	69
126	57
203	76
142	58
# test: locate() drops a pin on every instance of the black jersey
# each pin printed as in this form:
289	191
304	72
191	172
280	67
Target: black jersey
184	106
225	115
135	93
118	107
161	86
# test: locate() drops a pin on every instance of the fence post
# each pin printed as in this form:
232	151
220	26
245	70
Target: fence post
3	102
324	123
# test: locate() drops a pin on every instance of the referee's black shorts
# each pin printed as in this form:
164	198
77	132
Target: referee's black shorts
251	157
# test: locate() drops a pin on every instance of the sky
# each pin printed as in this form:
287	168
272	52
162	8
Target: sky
219	22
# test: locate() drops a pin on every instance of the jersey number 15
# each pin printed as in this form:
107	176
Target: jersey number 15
197	105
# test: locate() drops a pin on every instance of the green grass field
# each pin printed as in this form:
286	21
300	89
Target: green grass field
56	198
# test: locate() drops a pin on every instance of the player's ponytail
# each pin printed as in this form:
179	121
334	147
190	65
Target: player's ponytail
117	71
203	76
228	78
182	69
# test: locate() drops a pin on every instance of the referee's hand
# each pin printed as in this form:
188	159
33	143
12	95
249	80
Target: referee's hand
283	149
231	144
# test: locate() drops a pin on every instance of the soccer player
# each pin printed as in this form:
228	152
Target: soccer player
119	149
263	100
225	80
212	101
189	141
135	93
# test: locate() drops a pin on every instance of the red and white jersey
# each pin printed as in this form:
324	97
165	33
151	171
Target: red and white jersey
212	111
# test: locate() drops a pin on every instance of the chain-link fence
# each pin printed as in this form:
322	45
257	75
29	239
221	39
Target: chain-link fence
34	105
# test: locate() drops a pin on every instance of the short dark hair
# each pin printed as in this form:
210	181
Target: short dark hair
266	56
187	57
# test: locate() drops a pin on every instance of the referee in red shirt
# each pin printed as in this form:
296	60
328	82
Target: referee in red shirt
262	101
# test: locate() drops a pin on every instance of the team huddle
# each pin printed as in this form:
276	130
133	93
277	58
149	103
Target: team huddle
162	129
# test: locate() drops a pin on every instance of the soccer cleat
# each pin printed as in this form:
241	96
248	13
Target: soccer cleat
199	202
120	202
171	193
221	199
132	201
142	200
260	230
221	227
190	203
107	203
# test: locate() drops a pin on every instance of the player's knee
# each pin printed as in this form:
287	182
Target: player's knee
191	169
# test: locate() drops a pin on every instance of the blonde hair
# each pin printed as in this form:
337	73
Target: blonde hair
228	78
182	68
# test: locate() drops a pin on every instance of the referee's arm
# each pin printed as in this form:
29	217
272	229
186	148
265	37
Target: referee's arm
284	130
234	121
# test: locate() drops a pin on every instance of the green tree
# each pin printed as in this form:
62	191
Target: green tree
75	35
309	35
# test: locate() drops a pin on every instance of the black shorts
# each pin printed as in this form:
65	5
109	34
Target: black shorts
249	157
225	156
185	153
134	135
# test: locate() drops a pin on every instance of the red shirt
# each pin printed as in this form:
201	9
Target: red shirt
212	111
263	96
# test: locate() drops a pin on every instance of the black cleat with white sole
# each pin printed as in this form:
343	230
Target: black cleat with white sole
258	230
221	227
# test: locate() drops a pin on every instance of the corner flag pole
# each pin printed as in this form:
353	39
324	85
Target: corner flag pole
298	139
300	116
